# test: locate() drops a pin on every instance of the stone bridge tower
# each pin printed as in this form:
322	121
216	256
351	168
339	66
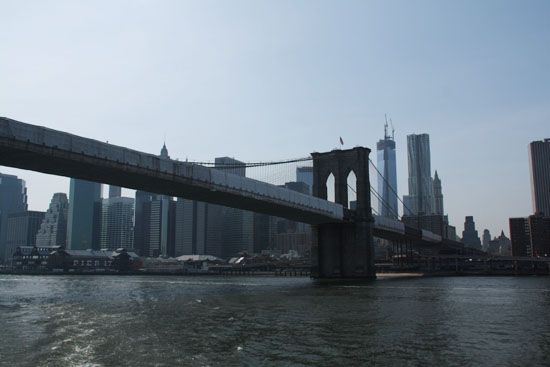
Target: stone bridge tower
344	249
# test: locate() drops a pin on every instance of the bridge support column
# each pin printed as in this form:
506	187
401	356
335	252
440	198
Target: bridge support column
344	249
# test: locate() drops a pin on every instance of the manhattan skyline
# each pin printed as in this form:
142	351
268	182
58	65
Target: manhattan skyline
260	81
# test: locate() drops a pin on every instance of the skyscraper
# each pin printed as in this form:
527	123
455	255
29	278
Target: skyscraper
470	236
115	191
142	213
486	238
291	235
229	230
117	223
154	223
190	227
53	229
305	174
438	195
84	215
539	164
387	183
13	199
161	221
520	234
530	236
21	230
420	198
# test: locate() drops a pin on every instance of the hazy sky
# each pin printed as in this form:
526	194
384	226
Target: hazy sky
266	80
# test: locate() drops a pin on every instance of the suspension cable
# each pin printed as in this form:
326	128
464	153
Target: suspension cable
223	165
384	202
379	198
390	186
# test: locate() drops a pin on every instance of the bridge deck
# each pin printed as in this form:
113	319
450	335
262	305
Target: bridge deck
55	152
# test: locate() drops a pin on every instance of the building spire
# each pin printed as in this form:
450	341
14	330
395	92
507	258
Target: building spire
164	151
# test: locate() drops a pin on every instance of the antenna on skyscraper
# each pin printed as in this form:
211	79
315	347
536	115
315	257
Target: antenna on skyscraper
392	130
386	127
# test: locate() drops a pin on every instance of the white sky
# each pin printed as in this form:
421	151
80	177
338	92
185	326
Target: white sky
269	80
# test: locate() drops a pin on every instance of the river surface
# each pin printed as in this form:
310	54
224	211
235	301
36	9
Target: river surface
257	321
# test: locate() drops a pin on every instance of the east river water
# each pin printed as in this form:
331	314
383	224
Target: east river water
257	321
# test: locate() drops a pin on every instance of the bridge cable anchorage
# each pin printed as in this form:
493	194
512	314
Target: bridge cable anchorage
390	186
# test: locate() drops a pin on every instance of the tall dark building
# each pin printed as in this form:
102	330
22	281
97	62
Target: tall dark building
387	183
520	235
229	230
160	220
291	235
21	230
470	236
438	196
539	164
190	227
420	199
13	199
141	222
84	218
530	236
486	238
154	221
539	227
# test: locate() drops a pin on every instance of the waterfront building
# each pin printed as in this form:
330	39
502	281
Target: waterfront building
539	164
84	215
305	174
115	191
32	258
470	236
21	230
420	198
117	223
13	199
387	181
530	236
438	195
53	229
92	261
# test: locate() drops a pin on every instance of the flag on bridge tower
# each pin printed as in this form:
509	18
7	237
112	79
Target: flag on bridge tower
341	141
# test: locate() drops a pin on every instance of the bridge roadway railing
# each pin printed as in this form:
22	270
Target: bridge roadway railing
218	179
396	229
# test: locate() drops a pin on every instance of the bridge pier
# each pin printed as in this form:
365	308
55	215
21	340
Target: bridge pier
344	249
